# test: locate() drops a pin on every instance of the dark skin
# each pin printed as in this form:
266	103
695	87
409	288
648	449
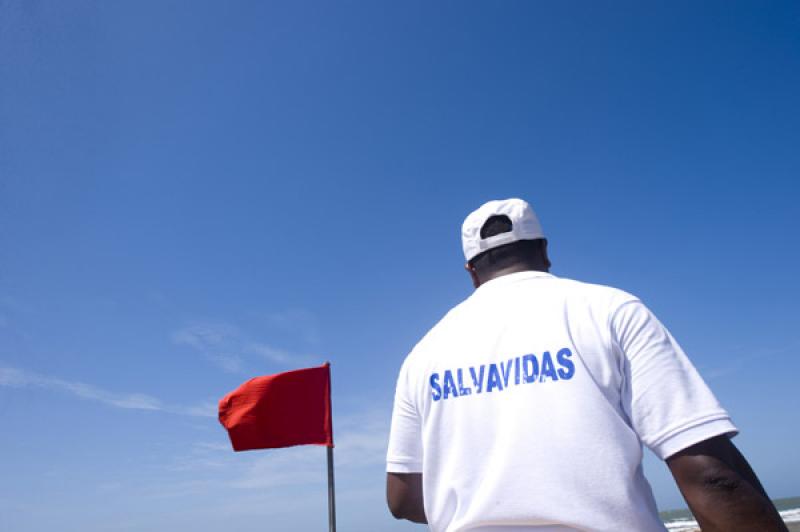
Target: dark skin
718	484
539	262
722	490
404	496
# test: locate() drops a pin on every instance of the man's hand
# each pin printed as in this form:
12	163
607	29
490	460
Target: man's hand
722	490
404	495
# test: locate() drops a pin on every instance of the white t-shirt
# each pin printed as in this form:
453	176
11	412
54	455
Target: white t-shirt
526	407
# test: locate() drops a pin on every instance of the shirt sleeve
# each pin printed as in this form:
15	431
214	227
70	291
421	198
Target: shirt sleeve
669	405
405	438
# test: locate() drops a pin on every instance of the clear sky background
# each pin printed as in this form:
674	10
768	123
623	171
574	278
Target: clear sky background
195	193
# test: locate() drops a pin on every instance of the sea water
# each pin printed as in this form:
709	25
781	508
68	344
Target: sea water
683	521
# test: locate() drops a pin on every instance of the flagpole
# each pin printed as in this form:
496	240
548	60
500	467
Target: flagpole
331	493
331	486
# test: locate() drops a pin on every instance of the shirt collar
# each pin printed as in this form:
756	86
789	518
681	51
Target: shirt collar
513	278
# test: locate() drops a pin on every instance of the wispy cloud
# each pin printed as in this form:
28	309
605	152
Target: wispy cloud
285	486
294	466
201	409
205	336
298	322
361	438
216	341
279	356
19	378
717	372
227	347
733	364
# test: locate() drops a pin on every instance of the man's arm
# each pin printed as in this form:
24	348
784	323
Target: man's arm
404	495
722	490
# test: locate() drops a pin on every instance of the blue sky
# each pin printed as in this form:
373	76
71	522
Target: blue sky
192	194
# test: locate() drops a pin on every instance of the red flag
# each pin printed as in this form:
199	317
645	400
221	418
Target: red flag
281	410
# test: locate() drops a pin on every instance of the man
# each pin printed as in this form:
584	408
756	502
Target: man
526	406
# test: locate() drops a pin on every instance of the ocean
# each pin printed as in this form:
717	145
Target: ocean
683	521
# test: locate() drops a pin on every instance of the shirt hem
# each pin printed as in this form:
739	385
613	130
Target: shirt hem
692	434
403	467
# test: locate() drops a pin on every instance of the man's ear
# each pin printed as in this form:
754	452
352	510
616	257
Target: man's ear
476	282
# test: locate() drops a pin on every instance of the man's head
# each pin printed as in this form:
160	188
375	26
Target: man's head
502	237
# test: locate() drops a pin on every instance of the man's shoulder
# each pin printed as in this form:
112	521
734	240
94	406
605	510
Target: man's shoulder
596	298
597	291
426	343
449	317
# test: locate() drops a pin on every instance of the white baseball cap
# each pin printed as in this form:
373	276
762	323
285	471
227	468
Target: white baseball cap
524	226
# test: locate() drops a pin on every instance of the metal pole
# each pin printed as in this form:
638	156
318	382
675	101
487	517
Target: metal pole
331	493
